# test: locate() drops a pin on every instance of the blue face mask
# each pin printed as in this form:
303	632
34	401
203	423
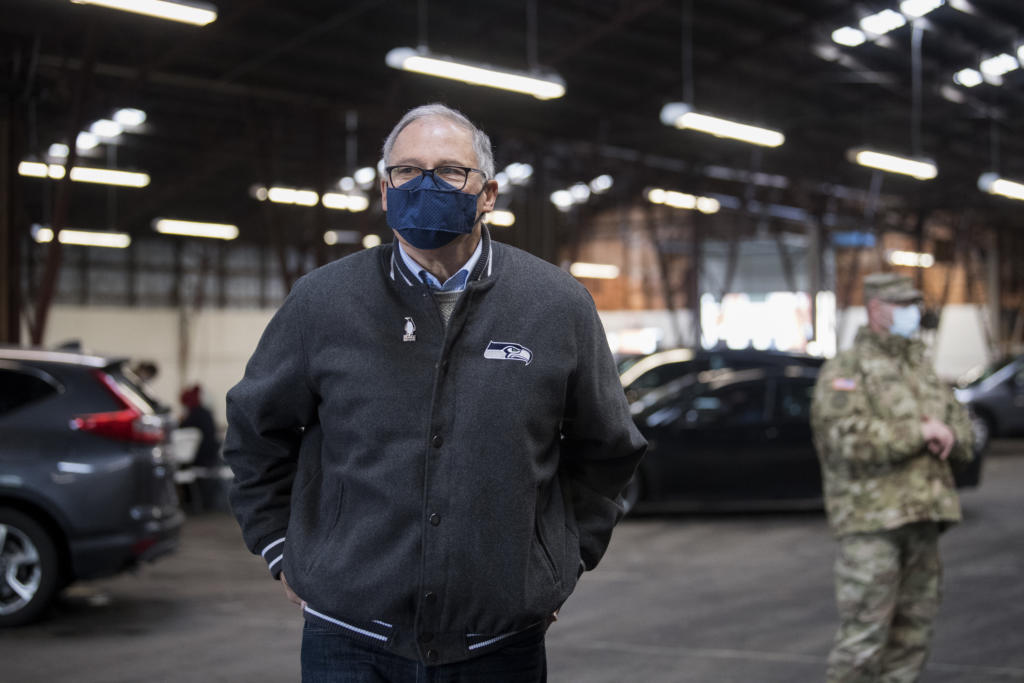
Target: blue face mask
427	216
905	320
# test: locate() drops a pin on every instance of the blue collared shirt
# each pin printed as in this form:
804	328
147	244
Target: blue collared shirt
456	283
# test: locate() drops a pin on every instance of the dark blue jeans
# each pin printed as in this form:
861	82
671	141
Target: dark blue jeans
332	657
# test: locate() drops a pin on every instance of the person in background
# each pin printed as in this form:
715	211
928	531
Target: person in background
431	436
886	431
199	416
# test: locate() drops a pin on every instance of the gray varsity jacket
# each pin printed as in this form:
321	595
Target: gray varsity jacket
431	490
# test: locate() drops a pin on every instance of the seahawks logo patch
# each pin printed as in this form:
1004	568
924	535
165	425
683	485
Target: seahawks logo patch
508	351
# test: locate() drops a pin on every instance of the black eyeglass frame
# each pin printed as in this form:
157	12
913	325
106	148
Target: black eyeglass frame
432	171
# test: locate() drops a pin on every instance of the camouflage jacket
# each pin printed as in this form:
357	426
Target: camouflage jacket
869	402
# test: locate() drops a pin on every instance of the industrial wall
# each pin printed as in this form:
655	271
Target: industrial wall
212	346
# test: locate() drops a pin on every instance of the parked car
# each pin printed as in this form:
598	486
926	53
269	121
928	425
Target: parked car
643	374
86	489
995	395
734	438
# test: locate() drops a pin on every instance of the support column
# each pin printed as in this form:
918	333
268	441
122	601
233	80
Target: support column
10	246
992	290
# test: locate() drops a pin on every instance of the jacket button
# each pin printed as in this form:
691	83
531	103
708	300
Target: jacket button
437	441
426	637
435	519
432	655
430	597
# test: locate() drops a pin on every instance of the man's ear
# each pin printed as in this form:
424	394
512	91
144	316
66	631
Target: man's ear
490	195
384	194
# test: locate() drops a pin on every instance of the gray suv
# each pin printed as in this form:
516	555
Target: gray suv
86	486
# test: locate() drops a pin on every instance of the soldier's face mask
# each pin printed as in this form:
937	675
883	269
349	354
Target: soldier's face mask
906	320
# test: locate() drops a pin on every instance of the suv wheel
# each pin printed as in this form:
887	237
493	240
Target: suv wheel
28	568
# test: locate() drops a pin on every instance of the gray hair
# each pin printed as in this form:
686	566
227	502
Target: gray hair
481	143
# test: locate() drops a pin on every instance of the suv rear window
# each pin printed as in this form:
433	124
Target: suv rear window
134	391
19	388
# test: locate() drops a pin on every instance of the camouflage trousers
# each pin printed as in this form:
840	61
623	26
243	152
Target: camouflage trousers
887	592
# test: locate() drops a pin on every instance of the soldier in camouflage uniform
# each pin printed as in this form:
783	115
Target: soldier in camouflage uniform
886	430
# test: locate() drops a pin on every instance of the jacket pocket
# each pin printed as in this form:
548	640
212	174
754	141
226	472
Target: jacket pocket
545	550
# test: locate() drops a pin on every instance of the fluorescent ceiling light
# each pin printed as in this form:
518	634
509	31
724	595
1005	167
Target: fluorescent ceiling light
919	8
107	176
199	14
968	78
601	184
84	238
501	218
849	36
600	271
580	193
86	141
562	199
544	87
219	231
289	195
882	22
999	65
58	150
993	184
1020	53
682	200
37	169
518	173
910	258
130	117
107	129
682	116
365	176
922	169
346	202
82	174
371	241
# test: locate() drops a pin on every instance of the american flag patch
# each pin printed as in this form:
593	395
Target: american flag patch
844	384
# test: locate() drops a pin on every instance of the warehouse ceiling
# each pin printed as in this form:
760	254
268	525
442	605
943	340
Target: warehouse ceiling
298	94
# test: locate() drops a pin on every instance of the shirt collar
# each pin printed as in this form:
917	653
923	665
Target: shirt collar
456	283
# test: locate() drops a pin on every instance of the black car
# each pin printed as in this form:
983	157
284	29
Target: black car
642	374
734	438
995	395
86	489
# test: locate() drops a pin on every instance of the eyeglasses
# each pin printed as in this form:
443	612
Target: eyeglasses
455	176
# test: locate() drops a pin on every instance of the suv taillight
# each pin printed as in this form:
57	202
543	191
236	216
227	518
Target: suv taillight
127	424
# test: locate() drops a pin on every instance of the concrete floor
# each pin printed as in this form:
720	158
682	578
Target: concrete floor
678	598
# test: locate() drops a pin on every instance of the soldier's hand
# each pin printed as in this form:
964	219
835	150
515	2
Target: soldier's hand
938	437
290	593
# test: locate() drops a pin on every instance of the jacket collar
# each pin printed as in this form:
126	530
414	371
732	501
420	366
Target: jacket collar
399	272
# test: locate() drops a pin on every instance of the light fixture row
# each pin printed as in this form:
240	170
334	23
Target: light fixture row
580	193
874	26
990	70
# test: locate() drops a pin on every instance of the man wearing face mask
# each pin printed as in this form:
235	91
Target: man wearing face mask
429	441
886	430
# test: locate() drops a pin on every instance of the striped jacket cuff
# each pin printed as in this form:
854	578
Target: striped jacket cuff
273	554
